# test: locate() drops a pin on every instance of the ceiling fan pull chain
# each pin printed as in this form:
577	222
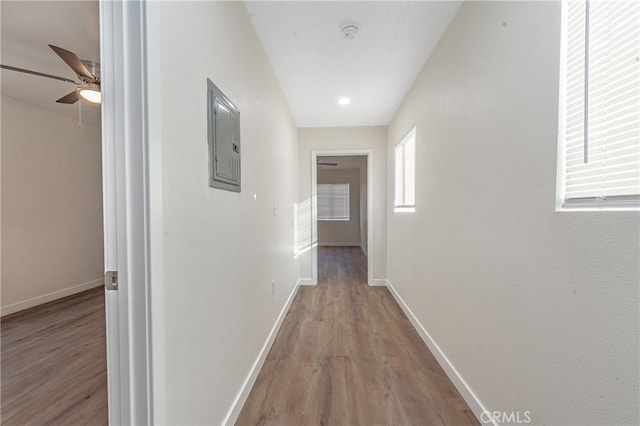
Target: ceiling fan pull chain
79	113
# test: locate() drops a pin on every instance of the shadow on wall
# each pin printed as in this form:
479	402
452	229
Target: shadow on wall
304	231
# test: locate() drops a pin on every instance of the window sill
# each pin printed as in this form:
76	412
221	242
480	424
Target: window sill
565	209
612	204
404	210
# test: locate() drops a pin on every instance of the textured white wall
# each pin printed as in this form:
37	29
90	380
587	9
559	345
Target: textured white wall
51	206
537	310
221	249
343	138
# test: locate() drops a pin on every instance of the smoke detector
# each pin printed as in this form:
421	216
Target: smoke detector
349	32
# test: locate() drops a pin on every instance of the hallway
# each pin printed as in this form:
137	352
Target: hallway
347	354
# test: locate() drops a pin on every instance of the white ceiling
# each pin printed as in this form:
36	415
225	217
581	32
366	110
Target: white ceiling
315	65
27	28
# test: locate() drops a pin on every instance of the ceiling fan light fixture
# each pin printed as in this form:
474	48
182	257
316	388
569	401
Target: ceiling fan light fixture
91	94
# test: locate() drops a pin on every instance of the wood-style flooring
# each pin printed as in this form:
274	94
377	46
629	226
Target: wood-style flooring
54	367
347	354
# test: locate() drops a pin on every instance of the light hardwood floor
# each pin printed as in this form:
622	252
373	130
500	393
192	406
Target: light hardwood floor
54	367
347	354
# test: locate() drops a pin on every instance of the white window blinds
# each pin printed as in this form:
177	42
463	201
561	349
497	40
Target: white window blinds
602	157
333	201
405	173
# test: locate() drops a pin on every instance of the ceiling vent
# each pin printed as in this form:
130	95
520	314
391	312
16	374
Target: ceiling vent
349	32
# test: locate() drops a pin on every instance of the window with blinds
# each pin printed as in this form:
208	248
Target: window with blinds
405	173
333	201
601	138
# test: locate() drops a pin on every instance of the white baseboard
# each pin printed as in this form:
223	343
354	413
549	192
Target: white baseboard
241	398
364	250
345	244
467	393
305	281
39	300
379	282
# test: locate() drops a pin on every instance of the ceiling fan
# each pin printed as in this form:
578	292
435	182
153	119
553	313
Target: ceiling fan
88	72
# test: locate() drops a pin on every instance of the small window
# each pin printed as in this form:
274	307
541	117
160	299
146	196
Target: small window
333	201
600	143
405	173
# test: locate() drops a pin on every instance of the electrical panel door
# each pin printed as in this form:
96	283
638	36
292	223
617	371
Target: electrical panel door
224	140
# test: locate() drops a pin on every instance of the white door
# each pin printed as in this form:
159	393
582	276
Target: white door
123	162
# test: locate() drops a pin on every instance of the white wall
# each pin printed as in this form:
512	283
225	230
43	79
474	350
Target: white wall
51	206
537	310
342	232
221	249
344	138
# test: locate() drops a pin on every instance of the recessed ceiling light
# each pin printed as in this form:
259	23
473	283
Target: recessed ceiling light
344	101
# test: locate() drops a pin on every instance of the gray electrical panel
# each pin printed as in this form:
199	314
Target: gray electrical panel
223	128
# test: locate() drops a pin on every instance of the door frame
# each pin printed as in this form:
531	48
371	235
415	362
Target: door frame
314	207
130	218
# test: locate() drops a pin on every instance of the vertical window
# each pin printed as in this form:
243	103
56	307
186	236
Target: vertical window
601	161
405	173
333	201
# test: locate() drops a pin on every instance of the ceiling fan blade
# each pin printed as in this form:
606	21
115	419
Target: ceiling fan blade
39	74
327	164
73	61
70	98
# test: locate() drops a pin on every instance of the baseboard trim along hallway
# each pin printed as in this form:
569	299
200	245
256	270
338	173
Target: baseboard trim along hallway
378	282
305	281
241	398
450	370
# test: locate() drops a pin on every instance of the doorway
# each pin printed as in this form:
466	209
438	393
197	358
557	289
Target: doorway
342	203
53	347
